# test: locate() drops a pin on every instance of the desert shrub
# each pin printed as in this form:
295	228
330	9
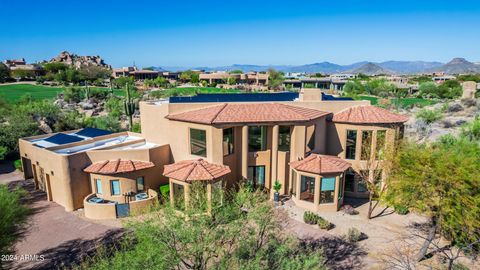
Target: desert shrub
429	116
165	191
13	216
323	223
401	209
73	94
310	218
314	219
354	235
18	165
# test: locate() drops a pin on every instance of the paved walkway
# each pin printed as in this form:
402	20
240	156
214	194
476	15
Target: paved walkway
62	238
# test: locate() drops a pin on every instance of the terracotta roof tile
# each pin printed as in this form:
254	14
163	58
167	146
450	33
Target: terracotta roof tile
248	113
368	115
118	166
321	164
195	170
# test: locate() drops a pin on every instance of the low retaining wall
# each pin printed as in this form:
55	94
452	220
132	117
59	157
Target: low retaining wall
99	210
138	207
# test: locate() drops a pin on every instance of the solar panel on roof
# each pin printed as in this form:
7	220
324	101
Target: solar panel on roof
62	138
248	97
243	97
93	132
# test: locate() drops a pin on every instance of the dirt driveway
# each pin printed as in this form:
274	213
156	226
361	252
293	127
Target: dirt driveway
59	237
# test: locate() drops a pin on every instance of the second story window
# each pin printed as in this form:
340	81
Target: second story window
381	134
284	138
257	138
351	144
228	144
366	144
198	142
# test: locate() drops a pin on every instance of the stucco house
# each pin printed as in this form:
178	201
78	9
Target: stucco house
311	144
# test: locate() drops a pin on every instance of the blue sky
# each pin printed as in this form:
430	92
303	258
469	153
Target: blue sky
213	33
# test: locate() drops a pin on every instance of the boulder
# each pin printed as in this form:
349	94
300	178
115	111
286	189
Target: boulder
455	107
43	126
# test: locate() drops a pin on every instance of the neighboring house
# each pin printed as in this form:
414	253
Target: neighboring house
21	64
311	146
140	75
322	83
250	78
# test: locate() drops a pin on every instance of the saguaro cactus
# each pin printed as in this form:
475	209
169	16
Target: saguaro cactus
129	106
87	91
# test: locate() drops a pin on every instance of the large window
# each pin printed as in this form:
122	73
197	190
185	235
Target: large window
311	139
228	141
257	138
307	188
284	138
98	186
350	181
140	184
351	144
178	196
115	187
381	134
198	142
366	144
361	185
257	175
327	190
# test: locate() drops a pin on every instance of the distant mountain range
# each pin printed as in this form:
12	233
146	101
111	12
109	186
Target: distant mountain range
456	66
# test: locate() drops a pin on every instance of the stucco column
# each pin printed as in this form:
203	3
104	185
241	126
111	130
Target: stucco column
209	198
274	158
172	199
244	152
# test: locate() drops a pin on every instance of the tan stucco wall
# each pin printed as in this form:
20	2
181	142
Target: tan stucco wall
337	136
69	185
99	211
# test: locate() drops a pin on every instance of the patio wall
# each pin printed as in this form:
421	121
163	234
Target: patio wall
99	210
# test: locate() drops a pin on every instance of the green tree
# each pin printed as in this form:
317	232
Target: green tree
244	233
189	76
120	82
275	79
104	122
429	116
22	74
4	73
3	152
93	73
353	88
441	181
428	90
236	71
55	67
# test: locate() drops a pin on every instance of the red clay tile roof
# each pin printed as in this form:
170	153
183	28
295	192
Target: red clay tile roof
320	164
118	166
368	115
248	113
195	170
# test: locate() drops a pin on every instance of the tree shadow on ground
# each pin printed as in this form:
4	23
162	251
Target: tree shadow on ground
6	166
73	252
339	253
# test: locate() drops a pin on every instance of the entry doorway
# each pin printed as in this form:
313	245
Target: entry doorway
257	175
